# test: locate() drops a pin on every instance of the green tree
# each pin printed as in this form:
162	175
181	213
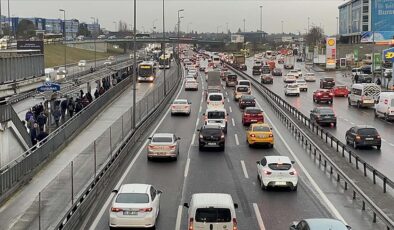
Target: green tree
26	29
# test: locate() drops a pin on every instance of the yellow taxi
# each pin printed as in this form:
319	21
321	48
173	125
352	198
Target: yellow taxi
260	133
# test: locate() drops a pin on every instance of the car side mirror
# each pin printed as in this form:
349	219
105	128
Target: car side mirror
203	114
186	205
258	162
292	162
348	227
159	192
115	191
178	138
149	138
235	205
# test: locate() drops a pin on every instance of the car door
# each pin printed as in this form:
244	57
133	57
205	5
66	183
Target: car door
261	166
351	134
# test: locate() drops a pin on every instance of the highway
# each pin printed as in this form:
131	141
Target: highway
347	117
233	171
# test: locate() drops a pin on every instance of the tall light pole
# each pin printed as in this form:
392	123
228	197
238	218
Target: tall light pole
164	53
337	26
134	77
179	24
244	25
94	37
153	25
64	41
261	18
9	18
1	24
226	27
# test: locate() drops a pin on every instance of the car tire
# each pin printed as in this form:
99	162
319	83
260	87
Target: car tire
335	124
358	104
354	145
258	177
317	101
386	117
270	146
349	102
201	148
262	186
294	188
376	113
222	148
149	158
378	147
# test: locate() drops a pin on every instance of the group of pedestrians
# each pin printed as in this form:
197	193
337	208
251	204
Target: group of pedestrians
36	119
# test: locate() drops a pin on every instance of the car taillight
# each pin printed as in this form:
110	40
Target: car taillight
252	135
235	224
222	136
246	114
223	102
113	209
331	94
173	106
172	147
260	114
266	172
293	173
146	209
151	147
191	224
271	135
318	94
378	136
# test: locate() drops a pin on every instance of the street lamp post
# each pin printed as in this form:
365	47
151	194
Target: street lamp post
188	27
261	18
164	53
134	77
179	24
9	18
244	25
64	41
226	27
337	26
95	50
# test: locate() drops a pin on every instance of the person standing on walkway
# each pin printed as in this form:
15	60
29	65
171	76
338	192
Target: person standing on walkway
81	93
96	94
63	108
56	116
41	120
71	107
89	97
78	106
28	115
356	78
33	134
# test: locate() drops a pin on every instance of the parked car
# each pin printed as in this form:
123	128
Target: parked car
319	224
323	95
323	116
363	136
327	83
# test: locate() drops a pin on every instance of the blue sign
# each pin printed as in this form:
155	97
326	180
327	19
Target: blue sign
49	87
377	36
388	55
382	15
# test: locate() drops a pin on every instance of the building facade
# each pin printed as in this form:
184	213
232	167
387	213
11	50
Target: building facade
366	21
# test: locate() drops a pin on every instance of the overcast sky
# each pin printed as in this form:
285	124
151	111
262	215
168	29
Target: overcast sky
200	15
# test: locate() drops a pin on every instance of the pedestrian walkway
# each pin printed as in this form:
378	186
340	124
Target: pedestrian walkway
15	208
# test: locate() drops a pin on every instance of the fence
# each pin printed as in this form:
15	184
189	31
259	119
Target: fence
20	170
66	190
7	113
280	106
19	67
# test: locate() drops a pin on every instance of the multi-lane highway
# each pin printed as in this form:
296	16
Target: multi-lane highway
233	171
348	116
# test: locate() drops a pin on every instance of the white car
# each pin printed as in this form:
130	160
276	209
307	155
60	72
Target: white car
215	101
135	205
310	77
292	89
302	84
289	78
180	106
163	145
61	71
277	171
191	84
82	63
299	72
295	73
217	117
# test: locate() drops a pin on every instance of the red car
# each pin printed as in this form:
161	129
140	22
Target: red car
252	115
340	91
322	95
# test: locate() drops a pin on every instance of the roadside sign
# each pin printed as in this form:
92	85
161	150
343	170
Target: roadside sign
377	61
355	54
49	87
388	55
331	48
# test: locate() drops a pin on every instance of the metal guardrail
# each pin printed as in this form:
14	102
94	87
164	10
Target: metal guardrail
7	113
83	204
280	106
20	170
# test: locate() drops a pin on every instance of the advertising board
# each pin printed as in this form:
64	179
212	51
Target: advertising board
236	38
30	45
331	52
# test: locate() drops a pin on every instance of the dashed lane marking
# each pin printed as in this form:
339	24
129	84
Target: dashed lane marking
258	216
244	169
236	139
232	120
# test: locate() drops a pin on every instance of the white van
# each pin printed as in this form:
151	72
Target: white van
215	100
364	94
216	60
211	211
216	116
385	106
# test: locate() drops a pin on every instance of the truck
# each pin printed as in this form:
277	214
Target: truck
239	61
214	84
289	62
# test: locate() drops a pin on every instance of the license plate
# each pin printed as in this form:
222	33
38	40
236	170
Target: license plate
325	96
254	120
368	101
212	144
369	138
130	213
262	136
280	183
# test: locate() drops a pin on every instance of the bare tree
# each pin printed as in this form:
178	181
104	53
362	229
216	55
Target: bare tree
315	36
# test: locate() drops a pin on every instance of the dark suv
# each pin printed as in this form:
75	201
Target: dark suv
211	136
327	83
246	101
323	115
363	136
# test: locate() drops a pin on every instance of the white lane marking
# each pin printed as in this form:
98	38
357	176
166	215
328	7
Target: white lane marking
258	216
187	167
232	120
199	111
334	211
384	140
104	208
194	137
228	100
198	121
226	93
231	110
178	218
236	139
244	169
224	87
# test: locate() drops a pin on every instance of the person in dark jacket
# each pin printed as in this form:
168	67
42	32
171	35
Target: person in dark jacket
89	97
101	91
28	115
33	134
378	81
78	106
63	108
41	121
96	94
41	136
71	107
81	93
356	78
56	115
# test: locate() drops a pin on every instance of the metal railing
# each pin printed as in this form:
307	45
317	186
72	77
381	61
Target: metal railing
22	169
7	113
284	110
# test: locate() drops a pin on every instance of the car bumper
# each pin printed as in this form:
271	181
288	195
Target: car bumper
369	143
247	105
293	92
138	222
326	121
262	141
173	111
211	144
252	120
164	154
231	83
324	99
285	182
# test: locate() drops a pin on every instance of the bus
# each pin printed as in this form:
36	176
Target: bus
146	71
165	61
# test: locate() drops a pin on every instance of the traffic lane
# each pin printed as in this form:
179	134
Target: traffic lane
163	174
327	195
273	218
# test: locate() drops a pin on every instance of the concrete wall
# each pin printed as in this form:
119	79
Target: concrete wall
12	145
101	46
343	49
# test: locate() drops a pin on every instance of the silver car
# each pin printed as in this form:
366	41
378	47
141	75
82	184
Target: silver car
163	145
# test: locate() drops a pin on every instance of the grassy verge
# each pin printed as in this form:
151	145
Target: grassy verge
54	54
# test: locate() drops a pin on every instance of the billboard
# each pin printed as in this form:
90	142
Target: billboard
388	55
331	52
376	36
30	45
382	15
236	38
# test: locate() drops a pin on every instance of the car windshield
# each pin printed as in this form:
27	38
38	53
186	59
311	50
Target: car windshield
278	166
341	87
328	79
132	198
162	139
253	111
180	102
247	97
326	111
232	77
292	86
216	115
242	89
213	215
256	67
244	83
215	97
261	129
211	131
367	131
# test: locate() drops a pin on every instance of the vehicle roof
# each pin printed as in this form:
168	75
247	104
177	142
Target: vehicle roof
253	108
218	109
277	159
386	94
362	85
212	199
134	188
209	94
325	224
212	126
243	81
241	86
163	135
364	127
